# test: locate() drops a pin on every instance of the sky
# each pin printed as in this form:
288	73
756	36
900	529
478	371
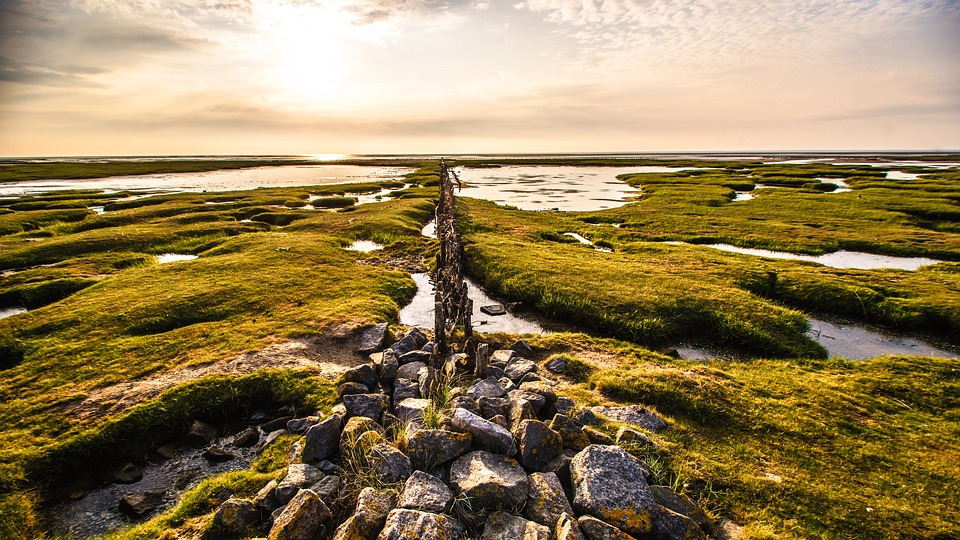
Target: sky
186	77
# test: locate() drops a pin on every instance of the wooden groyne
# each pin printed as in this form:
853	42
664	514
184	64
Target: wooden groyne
452	304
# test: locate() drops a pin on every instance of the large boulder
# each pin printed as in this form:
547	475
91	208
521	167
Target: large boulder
368	405
633	414
299	475
388	464
366	522
504	526
546	500
410	371
491	481
428	448
235	515
539	445
611	485
595	529
372	338
327	488
425	492
535	399
486	434
502	357
405	524
302	519
518	367
321	440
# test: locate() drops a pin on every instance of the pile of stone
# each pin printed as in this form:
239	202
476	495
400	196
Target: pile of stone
507	459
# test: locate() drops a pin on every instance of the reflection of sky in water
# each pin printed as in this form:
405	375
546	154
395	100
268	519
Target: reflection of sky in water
565	188
858	343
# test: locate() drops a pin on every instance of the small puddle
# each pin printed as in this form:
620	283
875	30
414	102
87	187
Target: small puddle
380	196
98	209
838	259
430	229
10	312
419	312
174	257
365	246
743	196
586	242
900	175
842	187
857	342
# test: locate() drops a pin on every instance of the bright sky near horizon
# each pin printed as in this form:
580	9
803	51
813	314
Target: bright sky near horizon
148	77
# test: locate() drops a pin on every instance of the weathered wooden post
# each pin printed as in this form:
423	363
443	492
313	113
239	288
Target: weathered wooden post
481	360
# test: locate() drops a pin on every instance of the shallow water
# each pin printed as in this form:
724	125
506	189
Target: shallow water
837	259
430	229
364	246
10	312
858	342
842	187
174	257
420	312
565	188
900	175
223	180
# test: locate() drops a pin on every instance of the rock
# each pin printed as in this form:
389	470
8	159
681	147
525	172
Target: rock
419	338
568	528
518	367
522	348
328	467
429	347
491	481
585	417
301	425
506	384
368	405
372	509
327	489
410	371
594	529
428	448
464	402
416	356
275	424
496	372
321	439
557	365
299	475
388	366
539	445
348	388
426	380
295	453
501	421
128	473
139	505
492	406
536	400
235	515
271	437
564	405
611	485
570	431
541	387
302	519
168	451
533	377
406	344
411	410
389	464
597	437
364	374
561	467
218	455
200	434
502	356
629	436
266	498
520	410
488	387
632	414
247	438
404	524
546	500
504	526
372	338
681	504
494	310
404	389
339	410
355	427
425	492
669	525
486	434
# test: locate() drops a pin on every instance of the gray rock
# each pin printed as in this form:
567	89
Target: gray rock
247	438
681	504
492	406
405	524
404	389
629	436
271	437
522	348
564	405
533	377
372	509
425	492
426	381
595	529
496	372
364	374
368	405
669	525
502	356
406	344
611	485
302	519
128	473
428	448
536	400
488	387
140	505
464	402
546	500
416	356
585	417
633	414
266	498
493	482
539	445
486	434
328	467
410	371
389	464
387	367
200	434
299	475
561	467
506	384
504	526
567	528
518	367
301	425
275	424
218	455
557	365
411	410
542	387
352	388
570	431
357	426
494	310
597	437
235	515
327	488
372	338
418	337
321	440
501	421
520	410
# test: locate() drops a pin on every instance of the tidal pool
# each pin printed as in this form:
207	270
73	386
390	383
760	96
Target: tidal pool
364	246
838	259
420	312
566	188
10	312
174	257
430	229
857	342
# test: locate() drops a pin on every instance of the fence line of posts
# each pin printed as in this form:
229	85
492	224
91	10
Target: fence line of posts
452	305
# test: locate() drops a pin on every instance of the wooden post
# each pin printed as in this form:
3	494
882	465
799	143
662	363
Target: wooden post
468	314
440	331
482	358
